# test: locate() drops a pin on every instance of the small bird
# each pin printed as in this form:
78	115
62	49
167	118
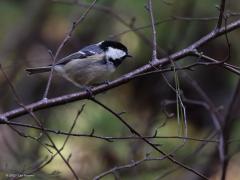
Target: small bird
92	64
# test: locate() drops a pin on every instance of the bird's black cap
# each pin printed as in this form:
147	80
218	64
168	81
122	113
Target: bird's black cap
114	44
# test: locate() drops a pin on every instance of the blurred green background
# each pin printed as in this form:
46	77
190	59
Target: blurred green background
29	28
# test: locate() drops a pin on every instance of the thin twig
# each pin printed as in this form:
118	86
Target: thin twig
154	34
188	158
166	155
19	102
221	14
45	163
65	40
126	166
231	113
105	138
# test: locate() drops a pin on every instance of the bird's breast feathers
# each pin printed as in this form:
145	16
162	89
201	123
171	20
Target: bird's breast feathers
86	70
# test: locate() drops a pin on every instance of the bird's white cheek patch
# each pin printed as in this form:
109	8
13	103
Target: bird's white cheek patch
115	53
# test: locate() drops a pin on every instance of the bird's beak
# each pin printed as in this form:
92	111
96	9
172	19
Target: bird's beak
128	56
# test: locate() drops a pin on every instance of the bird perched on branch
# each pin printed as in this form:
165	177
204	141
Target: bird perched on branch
91	64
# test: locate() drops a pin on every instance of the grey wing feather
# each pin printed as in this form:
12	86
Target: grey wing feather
83	53
76	55
94	48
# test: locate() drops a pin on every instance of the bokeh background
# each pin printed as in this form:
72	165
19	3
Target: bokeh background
30	28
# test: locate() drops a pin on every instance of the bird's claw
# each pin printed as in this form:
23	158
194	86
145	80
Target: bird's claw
106	82
90	93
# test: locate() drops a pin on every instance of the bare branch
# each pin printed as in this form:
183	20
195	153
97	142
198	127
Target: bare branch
123	79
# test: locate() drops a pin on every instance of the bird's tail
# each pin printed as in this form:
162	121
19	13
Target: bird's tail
38	70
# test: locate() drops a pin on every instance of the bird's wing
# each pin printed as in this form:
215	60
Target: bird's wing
94	48
76	55
87	51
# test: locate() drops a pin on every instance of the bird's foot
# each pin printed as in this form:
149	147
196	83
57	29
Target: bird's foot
107	82
89	91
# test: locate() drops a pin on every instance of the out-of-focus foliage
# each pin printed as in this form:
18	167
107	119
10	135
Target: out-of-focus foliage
30	28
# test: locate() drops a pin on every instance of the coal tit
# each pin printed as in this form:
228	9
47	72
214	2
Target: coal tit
92	64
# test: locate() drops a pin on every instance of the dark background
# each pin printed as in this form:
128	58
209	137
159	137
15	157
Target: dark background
28	29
